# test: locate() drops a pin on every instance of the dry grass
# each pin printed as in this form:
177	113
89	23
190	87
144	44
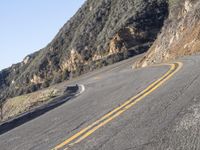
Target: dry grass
20	104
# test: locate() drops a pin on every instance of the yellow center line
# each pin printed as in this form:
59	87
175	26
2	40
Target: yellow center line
84	133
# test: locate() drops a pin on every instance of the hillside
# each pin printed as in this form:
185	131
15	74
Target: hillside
101	33
180	34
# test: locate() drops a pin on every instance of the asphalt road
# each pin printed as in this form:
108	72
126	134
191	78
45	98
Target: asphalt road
166	118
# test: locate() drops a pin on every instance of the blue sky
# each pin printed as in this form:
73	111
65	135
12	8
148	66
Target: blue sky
29	25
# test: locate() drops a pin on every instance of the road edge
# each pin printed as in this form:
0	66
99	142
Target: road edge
23	118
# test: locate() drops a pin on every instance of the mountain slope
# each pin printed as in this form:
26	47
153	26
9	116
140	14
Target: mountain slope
100	33
180	35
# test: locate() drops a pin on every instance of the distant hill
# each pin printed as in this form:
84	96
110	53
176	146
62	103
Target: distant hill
102	32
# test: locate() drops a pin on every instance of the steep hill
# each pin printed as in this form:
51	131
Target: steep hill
180	35
100	33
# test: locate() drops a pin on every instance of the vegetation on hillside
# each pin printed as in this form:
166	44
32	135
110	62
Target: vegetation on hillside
101	33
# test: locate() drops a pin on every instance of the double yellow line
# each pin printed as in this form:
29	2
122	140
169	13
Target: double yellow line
84	133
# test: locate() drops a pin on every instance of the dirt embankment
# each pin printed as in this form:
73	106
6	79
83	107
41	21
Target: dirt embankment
180	34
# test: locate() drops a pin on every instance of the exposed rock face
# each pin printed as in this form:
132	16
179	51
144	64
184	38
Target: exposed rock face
72	62
26	60
102	32
36	79
180	34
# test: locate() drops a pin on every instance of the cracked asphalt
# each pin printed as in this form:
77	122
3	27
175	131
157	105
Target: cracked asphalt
168	118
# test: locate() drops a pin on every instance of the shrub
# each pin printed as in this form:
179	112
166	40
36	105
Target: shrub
57	79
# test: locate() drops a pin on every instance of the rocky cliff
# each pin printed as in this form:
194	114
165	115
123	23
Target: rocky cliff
102	32
180	34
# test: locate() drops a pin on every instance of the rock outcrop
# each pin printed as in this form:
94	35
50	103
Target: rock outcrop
180	35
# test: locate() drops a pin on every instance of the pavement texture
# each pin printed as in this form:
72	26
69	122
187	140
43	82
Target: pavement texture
167	119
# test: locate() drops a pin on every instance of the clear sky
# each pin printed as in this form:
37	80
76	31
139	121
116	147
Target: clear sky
29	25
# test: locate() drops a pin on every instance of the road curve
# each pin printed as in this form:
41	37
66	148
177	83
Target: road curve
84	133
163	113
